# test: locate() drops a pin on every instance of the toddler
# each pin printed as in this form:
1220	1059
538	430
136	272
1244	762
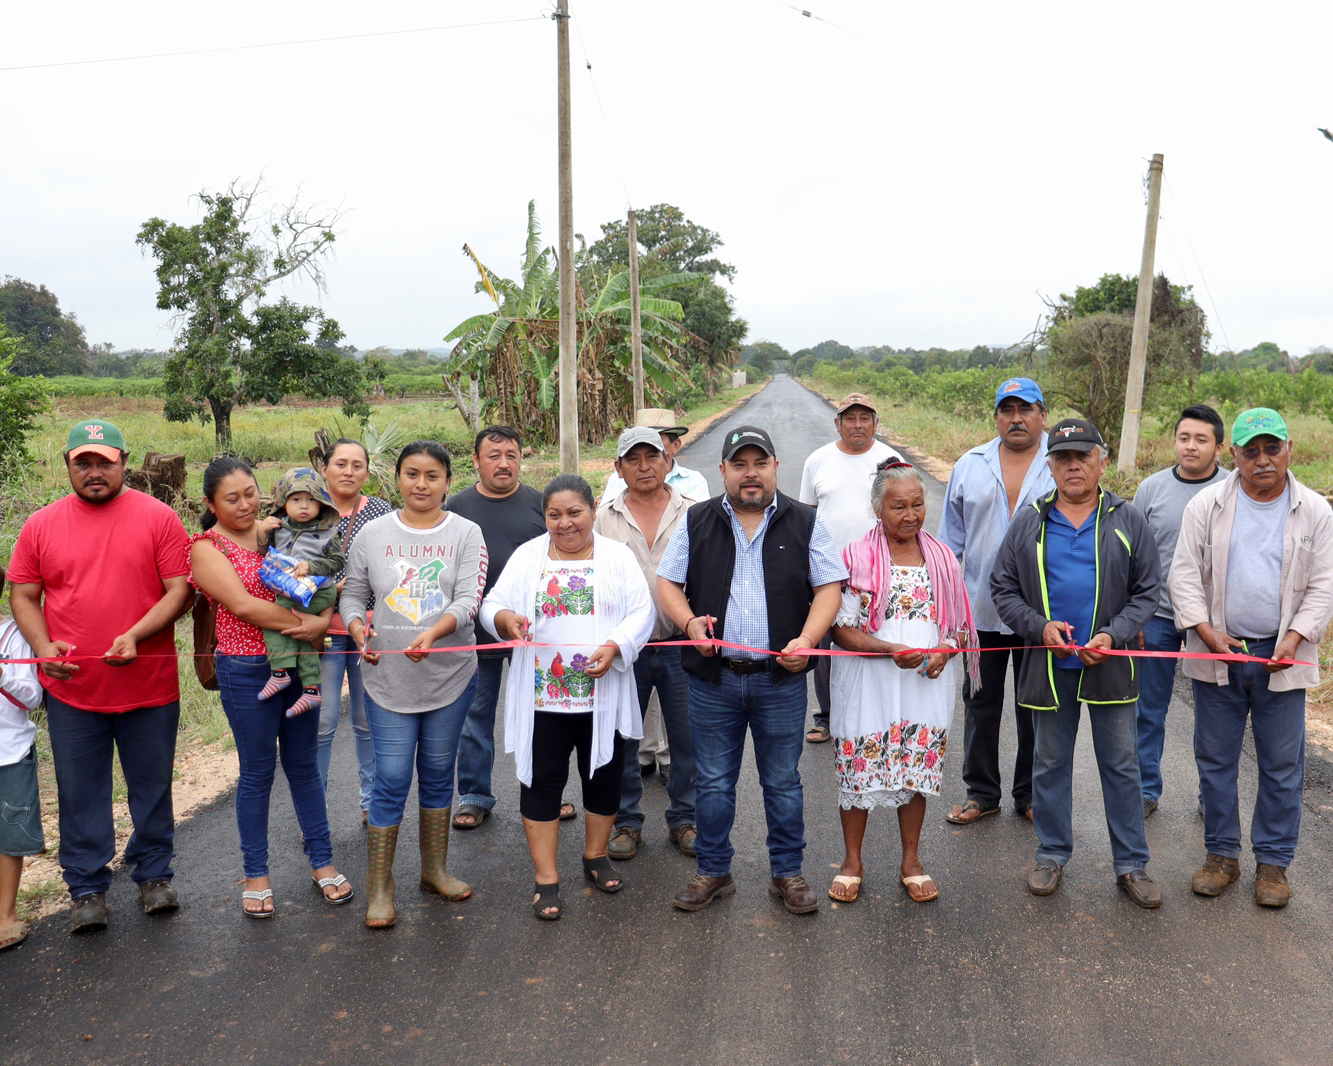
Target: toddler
304	527
21	827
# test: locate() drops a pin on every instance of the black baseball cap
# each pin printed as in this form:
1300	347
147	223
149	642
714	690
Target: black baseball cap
1073	435
743	436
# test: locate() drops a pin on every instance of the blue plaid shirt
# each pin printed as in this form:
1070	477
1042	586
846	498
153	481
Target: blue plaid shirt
747	608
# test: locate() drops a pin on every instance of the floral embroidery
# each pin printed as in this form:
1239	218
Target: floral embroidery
565	593
909	595
907	756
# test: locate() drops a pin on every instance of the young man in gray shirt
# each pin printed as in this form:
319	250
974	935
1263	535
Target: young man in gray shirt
1162	498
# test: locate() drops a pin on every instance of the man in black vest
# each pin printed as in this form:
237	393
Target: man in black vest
759	570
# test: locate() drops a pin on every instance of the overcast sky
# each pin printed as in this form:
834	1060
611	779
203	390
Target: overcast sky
920	180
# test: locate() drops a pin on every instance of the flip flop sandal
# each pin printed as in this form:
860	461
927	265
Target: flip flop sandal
600	872
969	812
919	882
261	895
12	935
567	812
850	885
548	896
818	735
337	881
477	813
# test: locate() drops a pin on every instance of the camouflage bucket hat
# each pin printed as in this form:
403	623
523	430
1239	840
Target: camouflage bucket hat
305	479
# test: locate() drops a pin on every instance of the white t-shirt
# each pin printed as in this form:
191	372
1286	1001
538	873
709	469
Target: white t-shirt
839	485
22	693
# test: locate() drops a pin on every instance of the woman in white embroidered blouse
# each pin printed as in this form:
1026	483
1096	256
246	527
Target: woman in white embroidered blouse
585	597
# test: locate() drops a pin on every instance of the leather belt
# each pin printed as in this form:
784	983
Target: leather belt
745	666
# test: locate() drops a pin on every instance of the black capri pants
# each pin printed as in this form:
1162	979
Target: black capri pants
554	736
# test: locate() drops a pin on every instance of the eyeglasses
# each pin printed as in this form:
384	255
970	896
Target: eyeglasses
1270	450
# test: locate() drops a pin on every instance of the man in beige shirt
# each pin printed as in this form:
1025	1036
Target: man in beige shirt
644	516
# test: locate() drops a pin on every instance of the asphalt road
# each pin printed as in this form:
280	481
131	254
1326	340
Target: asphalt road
987	974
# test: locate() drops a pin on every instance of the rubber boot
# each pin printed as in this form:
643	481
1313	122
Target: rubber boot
381	843
434	837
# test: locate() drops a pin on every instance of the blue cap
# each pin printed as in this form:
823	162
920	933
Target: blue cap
1020	389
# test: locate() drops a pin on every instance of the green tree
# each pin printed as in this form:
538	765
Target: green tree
763	354
53	342
23	400
670	244
1087	364
231	348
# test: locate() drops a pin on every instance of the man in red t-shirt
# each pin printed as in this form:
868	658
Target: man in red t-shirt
103	572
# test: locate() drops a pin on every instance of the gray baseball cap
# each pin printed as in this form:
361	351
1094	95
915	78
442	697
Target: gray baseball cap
636	435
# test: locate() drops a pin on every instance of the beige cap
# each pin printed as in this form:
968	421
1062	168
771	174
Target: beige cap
857	399
660	419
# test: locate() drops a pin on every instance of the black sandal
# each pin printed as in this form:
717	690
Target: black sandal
600	871
547	896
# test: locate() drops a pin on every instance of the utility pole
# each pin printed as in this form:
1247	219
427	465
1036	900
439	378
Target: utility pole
635	323
569	329
1138	347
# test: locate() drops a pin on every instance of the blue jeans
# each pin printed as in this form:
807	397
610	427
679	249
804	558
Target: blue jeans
1157	678
81	749
330	709
660	668
1114	740
775	715
476	747
429	741
1278	722
264	734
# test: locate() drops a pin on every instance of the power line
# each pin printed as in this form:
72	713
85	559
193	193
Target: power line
615	156
1203	280
819	18
270	44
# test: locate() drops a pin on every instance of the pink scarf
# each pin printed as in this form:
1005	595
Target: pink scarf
870	566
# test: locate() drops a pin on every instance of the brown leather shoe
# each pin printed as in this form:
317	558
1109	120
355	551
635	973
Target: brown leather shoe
1270	885
1212	878
702	890
796	894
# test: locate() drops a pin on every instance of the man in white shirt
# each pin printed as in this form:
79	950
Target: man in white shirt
689	483
836	480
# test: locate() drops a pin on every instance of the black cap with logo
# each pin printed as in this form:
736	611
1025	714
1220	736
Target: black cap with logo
1073	435
744	436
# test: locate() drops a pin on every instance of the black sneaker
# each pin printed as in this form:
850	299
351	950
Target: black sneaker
88	913
1149	805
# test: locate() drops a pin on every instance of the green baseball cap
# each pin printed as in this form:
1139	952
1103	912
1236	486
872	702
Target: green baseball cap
1257	422
97	436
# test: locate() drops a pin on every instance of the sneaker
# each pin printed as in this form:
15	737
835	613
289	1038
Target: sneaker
1271	888
1212	878
1045	879
158	896
625	842
88	913
1140	888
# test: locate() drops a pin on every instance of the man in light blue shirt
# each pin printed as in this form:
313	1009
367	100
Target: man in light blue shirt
988	486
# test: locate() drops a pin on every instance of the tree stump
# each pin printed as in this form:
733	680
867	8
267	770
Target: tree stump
166	476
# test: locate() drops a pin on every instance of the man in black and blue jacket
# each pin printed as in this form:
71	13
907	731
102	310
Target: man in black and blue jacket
1078	573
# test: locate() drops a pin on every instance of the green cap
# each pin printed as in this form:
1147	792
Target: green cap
97	436
1257	422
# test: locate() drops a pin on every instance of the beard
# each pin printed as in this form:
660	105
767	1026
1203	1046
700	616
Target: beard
739	503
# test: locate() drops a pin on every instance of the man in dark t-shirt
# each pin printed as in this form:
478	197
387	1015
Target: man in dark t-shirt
509	514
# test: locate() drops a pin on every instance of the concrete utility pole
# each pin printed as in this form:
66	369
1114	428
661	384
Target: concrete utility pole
1138	347
635	323
569	328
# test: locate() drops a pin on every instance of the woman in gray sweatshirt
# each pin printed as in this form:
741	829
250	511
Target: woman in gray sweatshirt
425	568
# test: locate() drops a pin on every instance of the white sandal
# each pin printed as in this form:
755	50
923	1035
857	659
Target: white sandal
336	881
261	895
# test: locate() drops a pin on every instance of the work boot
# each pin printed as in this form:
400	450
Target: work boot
1270	885
1212	878
158	896
625	842
381	843
434	838
87	913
